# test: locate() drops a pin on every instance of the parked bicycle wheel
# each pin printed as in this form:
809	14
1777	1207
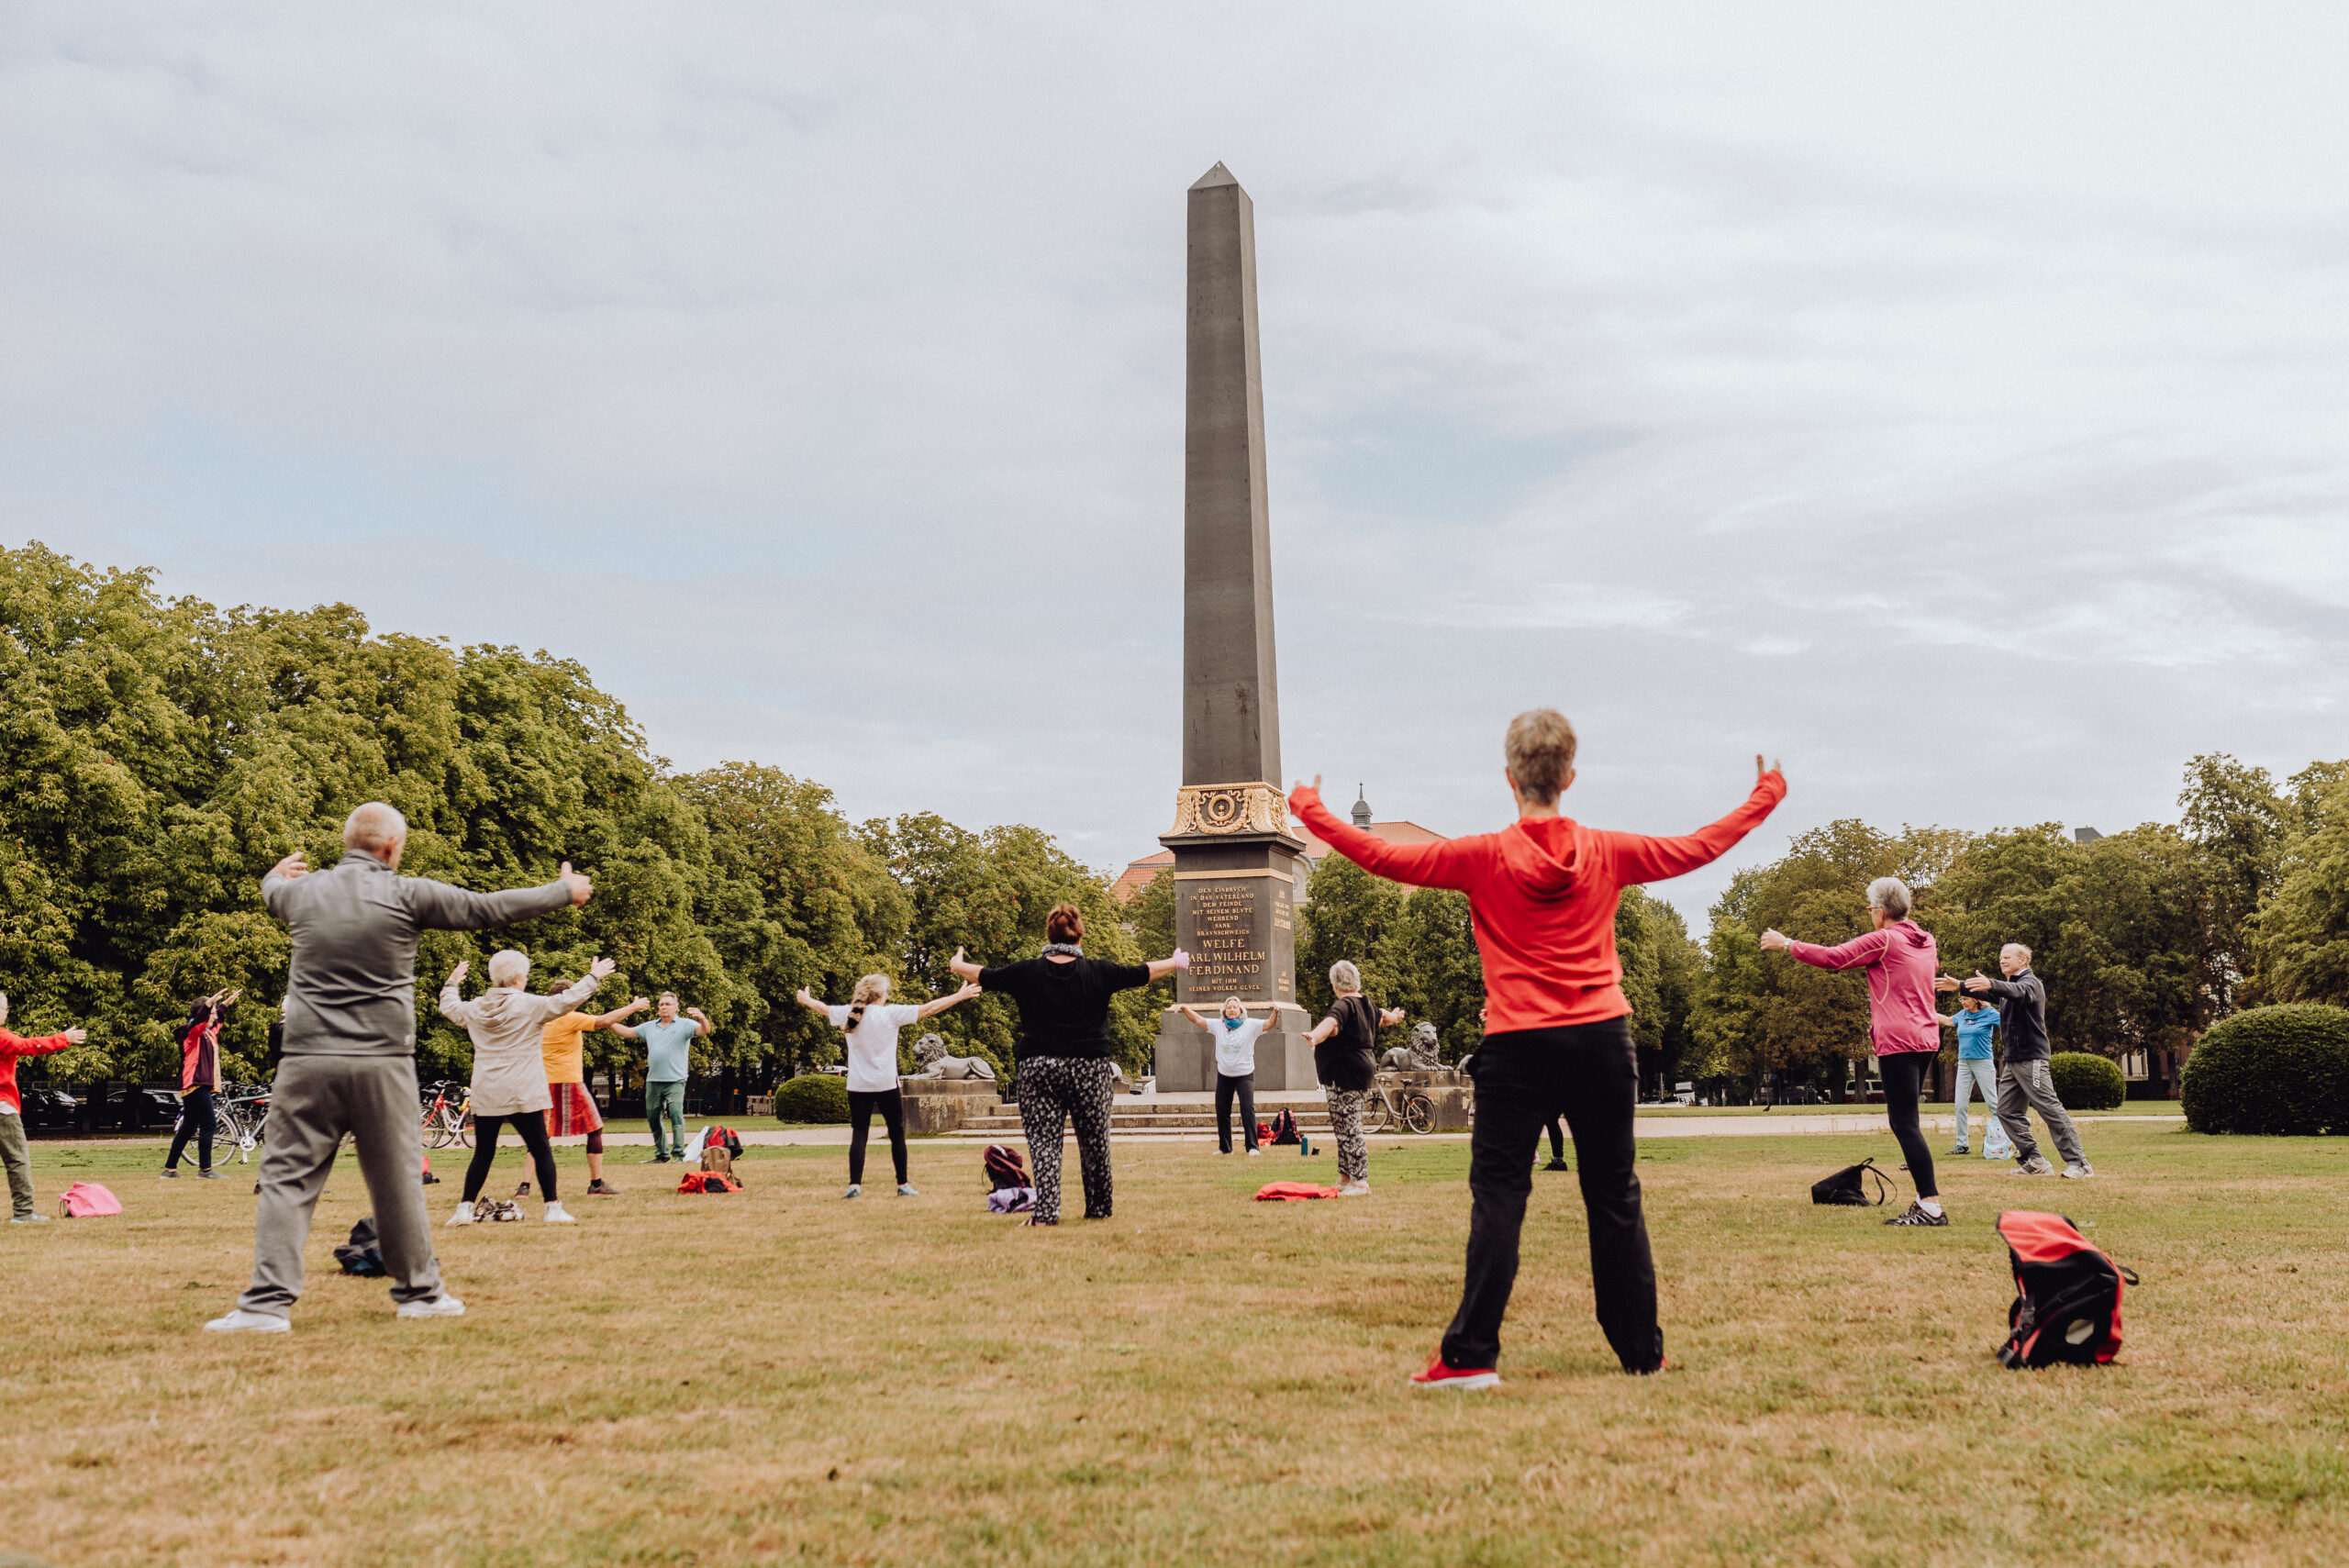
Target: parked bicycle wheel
1377	1112
227	1134
461	1122
1419	1113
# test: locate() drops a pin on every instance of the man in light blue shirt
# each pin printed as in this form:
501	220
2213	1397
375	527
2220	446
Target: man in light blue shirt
1974	1023
668	1044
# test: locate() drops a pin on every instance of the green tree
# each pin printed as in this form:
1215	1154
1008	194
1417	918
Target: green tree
1348	915
2241	826
1429	966
2303	945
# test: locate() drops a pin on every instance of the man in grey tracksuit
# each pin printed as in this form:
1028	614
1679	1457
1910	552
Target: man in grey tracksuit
349	1056
2024	1081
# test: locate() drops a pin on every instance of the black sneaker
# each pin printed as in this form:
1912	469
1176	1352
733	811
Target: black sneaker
1916	1214
168	1174
209	1175
1557	1165
601	1188
522	1191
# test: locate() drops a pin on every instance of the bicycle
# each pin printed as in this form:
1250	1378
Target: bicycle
1381	1111
449	1115
239	1120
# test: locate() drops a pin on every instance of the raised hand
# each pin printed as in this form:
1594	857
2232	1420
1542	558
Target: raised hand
1761	772
76	1035
580	886
1945	984
1979	984
602	968
1179	959
697	1015
294	865
1773	939
457	975
804	997
970	988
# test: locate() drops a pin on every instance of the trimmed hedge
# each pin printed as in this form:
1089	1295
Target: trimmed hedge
812	1096
2271	1070
2086	1083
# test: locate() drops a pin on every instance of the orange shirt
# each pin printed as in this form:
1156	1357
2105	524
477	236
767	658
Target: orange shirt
564	1047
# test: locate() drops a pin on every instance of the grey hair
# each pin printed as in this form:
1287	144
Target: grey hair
1892	895
508	966
373	827
2018	947
1345	976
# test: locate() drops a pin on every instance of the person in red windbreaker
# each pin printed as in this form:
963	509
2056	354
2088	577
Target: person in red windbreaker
1542	896
1904	1026
15	1152
199	1081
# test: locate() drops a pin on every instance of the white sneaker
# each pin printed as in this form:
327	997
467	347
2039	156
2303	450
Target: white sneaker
442	1306
464	1215
905	1189
2079	1170
1256	1153
243	1322
853	1192
1354	1189
556	1215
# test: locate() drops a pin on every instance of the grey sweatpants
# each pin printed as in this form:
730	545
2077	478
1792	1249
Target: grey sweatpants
2025	1086
314	1102
18	1155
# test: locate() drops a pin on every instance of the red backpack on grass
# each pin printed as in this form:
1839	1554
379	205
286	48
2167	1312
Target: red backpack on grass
2067	1308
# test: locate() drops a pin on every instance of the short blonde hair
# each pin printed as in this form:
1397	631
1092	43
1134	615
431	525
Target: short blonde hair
1539	750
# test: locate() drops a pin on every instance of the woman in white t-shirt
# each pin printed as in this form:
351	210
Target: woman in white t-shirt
1235	1067
871	1026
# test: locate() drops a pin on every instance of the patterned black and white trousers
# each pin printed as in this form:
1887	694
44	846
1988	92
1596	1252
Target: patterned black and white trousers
1345	1126
1054	1091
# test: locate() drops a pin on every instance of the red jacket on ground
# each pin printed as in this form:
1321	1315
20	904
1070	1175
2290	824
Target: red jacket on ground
12	1046
1541	893
1901	961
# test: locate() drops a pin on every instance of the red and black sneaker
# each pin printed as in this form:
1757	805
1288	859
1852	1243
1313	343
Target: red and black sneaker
1439	1375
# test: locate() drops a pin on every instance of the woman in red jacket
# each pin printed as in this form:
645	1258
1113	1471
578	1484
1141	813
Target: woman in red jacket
15	1154
199	1081
1903	1024
1543	895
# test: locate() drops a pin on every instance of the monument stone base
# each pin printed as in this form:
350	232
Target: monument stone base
1186	1053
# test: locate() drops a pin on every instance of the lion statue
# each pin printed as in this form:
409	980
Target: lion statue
930	1052
1419	1056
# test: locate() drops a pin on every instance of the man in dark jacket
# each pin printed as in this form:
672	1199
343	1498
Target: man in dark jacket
2024	1081
350	1061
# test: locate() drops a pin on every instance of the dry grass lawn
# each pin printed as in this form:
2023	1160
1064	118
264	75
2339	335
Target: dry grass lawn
783	1375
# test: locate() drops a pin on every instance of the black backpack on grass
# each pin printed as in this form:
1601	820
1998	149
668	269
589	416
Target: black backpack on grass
1849	1186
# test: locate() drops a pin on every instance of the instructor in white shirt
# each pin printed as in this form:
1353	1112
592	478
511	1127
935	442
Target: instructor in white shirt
871	1026
1235	1068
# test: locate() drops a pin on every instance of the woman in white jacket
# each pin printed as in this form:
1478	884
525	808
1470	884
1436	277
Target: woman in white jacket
509	1071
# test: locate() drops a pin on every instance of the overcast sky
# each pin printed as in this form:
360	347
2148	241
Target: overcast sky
1954	401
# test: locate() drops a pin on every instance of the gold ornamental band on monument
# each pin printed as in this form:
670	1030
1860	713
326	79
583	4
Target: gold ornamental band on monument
1230	808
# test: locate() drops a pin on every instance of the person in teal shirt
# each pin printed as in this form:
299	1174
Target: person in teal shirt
668	1046
1974	1023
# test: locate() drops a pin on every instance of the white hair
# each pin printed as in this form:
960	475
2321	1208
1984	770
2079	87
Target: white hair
508	966
375	828
2017	947
1892	895
1345	976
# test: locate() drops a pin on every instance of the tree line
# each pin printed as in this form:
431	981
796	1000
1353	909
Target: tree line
2145	937
161	753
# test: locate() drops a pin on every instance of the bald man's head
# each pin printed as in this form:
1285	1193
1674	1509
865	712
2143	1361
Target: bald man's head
378	829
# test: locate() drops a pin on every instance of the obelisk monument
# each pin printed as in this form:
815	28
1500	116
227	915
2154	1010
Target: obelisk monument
1236	859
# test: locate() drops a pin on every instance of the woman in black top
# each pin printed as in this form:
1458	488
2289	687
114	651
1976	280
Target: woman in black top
1063	1054
1346	1058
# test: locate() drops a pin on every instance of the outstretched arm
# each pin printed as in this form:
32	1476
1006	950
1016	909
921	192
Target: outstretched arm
1389	1017
1857	954
636	1004
1983	985
1456	863
1160	968
1321	1032
1642	859
1192	1013
931	1009
962	966
807	1000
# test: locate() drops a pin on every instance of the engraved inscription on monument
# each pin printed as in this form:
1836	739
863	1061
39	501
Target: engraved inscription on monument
1228	956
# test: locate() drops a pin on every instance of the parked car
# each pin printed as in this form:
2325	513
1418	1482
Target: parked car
46	1104
113	1106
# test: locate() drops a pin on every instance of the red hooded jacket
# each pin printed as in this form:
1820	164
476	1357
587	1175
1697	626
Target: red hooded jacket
1541	895
12	1046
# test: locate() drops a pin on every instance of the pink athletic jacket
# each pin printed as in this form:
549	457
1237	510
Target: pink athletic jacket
1901	963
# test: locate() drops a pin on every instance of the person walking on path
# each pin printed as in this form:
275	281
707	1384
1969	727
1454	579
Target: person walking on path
1062	1058
668	1061
2024	1081
350	1061
571	1108
1235	1068
1345	1058
870	1024
1543	893
1974	1024
1903	1027
509	1027
15	1151
199	1082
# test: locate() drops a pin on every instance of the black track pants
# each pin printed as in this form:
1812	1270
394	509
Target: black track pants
861	1103
1904	1080
533	1126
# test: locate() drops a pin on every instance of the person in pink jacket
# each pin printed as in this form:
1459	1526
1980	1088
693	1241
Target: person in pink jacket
1903	1024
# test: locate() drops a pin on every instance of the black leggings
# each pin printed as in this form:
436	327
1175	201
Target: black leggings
1558	1139
1227	1089
532	1126
196	1120
1904	1079
891	1104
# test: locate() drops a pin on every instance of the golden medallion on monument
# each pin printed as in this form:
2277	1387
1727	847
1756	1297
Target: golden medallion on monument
1230	808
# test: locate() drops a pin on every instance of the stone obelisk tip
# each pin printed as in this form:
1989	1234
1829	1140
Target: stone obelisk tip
1219	175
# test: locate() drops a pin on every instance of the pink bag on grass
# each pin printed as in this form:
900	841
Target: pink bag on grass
85	1200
